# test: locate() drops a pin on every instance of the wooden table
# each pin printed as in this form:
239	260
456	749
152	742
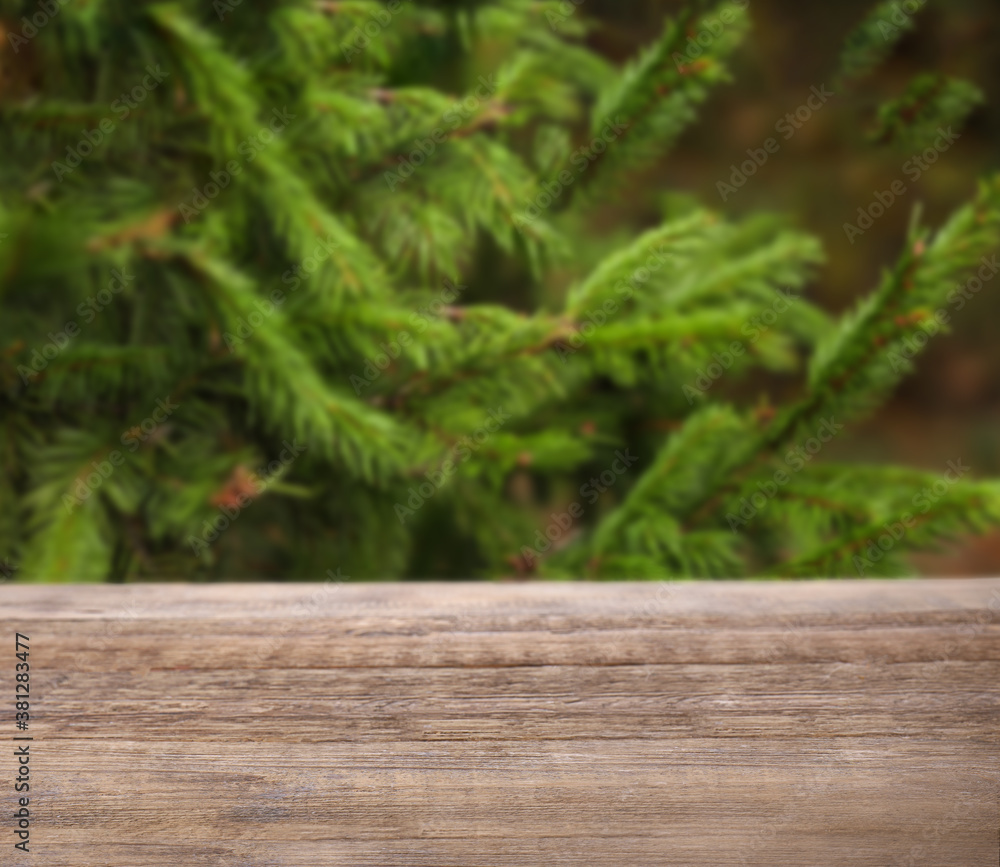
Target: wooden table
717	723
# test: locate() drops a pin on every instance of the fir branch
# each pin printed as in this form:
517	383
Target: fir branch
931	102
871	42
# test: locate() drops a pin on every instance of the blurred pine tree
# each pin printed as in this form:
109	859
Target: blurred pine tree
242	336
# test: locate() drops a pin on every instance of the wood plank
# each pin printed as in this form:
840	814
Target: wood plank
778	723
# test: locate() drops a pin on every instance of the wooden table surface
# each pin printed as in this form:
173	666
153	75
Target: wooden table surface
299	725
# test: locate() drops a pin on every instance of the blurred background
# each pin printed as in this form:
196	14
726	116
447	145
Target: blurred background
833	164
949	408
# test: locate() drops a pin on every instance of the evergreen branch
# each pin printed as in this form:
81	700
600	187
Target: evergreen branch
930	103
873	39
656	94
859	363
967	507
283	382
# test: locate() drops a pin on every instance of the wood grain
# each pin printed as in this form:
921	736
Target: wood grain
742	723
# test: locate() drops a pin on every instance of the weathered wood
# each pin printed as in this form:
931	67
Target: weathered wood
798	723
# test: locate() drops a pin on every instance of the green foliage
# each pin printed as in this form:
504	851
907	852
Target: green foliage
930	102
657	93
871	42
246	330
